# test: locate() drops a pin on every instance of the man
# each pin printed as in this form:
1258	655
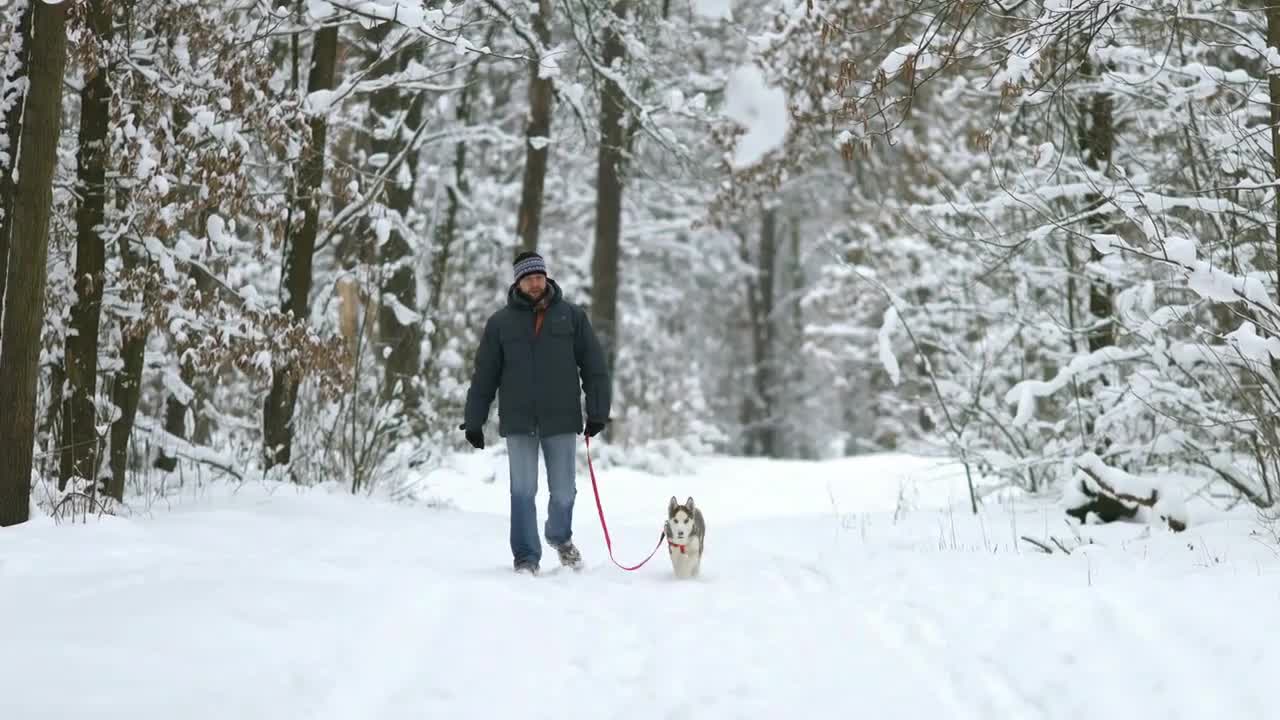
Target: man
532	354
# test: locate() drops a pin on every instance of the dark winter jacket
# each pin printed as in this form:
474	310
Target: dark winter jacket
536	376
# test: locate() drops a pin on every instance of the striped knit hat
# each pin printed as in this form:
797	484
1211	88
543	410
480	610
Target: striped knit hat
528	263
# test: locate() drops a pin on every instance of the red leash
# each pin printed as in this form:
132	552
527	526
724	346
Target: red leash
604	526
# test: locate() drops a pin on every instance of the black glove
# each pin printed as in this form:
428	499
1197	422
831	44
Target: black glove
475	437
594	427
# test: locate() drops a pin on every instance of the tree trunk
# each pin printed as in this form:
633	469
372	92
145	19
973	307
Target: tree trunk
125	393
404	360
1097	141
613	137
1273	87
28	253
176	404
447	232
538	135
1271	424
80	442
763	333
18	57
277	422
175	411
805	443
762	435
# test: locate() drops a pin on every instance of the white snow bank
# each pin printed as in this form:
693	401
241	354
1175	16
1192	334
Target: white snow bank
825	586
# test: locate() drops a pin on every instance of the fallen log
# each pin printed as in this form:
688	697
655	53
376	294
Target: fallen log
1109	504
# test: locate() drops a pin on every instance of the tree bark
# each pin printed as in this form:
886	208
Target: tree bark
176	405
447	232
80	442
175	412
537	135
609	166
28	253
1273	88
763	327
1097	141
21	50
762	434
125	393
805	443
1270	422
126	390
404	340
277	423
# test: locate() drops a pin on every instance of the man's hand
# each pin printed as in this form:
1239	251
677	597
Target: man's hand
594	427
475	437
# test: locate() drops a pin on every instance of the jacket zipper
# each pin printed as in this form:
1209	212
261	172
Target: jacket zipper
533	363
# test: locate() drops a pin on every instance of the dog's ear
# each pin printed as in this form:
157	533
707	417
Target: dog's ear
671	509
689	504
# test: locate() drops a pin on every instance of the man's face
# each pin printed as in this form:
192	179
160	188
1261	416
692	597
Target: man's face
533	285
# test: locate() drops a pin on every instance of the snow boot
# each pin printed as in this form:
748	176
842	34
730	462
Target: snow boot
569	556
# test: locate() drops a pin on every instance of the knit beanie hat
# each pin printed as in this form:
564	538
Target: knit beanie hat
528	263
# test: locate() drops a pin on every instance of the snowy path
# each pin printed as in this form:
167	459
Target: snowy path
320	606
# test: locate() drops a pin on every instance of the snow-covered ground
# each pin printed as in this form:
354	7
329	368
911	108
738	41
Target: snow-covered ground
854	588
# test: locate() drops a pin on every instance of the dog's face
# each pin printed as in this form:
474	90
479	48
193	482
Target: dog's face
680	519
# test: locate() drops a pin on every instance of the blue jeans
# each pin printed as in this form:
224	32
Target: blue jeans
558	454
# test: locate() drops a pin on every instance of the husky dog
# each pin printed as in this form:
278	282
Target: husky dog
686	537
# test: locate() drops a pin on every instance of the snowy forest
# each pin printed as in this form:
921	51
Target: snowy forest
260	238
